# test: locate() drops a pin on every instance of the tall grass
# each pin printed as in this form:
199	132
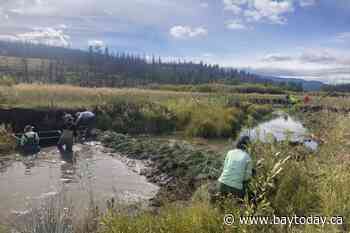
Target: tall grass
67	96
52	216
222	88
135	117
40	95
206	119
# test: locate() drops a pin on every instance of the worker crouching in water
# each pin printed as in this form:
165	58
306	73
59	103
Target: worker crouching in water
86	120
237	170
65	143
29	142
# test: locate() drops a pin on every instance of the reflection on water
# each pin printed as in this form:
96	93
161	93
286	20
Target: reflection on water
68	173
281	128
93	173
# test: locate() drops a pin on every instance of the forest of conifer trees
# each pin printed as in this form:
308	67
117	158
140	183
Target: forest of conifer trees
98	67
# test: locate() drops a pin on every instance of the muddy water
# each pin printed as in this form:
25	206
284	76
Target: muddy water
95	175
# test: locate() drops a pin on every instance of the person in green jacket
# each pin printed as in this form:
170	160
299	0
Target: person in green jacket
237	170
29	142
292	100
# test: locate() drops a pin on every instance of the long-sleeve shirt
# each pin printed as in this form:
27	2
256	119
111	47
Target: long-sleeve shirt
83	116
237	169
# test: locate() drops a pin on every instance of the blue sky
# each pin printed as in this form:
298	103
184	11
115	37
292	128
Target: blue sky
288	38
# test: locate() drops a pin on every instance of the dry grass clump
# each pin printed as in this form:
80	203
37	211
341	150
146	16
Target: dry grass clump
7	142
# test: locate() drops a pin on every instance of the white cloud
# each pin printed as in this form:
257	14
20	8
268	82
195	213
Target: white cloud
273	11
317	56
235	25
270	11
49	36
276	57
323	64
306	3
96	43
252	15
139	11
185	32
234	6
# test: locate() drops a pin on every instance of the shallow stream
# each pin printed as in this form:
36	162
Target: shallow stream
281	128
95	175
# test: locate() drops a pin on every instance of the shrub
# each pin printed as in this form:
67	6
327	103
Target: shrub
259	111
214	121
135	117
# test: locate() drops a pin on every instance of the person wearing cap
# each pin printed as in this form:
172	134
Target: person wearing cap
29	142
237	170
86	119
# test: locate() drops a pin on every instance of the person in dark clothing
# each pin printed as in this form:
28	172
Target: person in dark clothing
66	141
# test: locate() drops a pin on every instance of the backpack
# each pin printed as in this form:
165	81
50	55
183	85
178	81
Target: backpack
30	145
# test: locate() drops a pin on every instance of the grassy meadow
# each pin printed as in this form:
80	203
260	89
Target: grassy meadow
67	96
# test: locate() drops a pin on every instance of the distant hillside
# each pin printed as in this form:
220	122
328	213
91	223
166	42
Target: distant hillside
337	88
307	85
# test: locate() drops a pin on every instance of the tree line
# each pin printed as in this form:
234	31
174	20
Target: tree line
99	67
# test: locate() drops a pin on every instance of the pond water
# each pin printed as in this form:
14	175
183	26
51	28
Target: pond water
96	174
281	128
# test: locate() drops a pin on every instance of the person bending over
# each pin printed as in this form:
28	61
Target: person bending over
237	170
86	120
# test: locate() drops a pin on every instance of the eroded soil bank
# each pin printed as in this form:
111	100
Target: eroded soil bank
42	119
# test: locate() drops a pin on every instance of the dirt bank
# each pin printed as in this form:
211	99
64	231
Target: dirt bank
42	119
320	108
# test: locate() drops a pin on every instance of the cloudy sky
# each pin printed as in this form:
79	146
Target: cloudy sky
298	38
